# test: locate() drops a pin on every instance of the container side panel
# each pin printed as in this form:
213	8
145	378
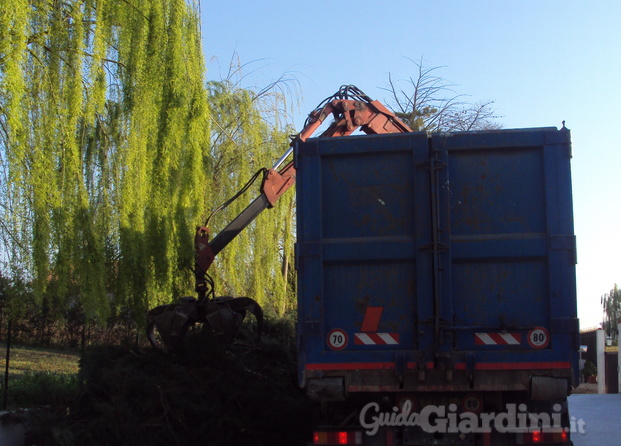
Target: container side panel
509	236
370	197
499	296
497	192
362	222
367	300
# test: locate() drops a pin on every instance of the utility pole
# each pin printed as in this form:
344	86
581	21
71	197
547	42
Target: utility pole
601	360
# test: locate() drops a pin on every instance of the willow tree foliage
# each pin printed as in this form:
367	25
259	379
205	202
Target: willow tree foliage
248	135
110	156
104	133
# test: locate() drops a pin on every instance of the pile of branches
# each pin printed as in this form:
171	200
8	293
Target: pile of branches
207	396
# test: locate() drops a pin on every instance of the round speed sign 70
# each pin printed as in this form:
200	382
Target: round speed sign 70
538	337
337	339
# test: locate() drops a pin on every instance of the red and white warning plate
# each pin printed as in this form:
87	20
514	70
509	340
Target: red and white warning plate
497	338
376	338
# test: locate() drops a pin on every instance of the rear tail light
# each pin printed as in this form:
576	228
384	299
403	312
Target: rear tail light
544	437
337	437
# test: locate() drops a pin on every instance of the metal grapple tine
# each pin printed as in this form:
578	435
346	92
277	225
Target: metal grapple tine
248	304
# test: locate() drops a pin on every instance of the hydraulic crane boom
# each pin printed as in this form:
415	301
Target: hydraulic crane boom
352	110
349	115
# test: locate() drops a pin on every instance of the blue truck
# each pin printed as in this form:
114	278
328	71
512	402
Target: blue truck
436	280
436	287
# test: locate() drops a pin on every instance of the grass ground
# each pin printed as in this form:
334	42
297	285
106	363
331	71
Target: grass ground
25	360
38	377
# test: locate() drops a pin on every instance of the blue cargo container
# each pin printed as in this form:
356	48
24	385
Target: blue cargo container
439	268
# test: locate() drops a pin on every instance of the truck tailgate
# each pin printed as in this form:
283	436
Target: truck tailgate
426	261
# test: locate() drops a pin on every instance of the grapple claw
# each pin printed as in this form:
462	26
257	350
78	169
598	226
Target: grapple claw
167	325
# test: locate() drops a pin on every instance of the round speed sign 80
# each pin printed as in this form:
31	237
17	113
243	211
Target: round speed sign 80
538	337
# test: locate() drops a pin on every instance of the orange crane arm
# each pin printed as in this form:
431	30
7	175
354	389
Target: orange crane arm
361	112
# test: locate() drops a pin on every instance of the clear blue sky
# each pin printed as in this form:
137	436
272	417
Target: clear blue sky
541	62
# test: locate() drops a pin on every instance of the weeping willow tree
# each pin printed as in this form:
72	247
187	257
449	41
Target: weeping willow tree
248	135
113	149
104	129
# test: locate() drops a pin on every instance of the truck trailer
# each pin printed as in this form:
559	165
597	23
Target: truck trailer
436	287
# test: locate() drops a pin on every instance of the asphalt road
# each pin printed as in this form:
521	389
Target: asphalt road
597	419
